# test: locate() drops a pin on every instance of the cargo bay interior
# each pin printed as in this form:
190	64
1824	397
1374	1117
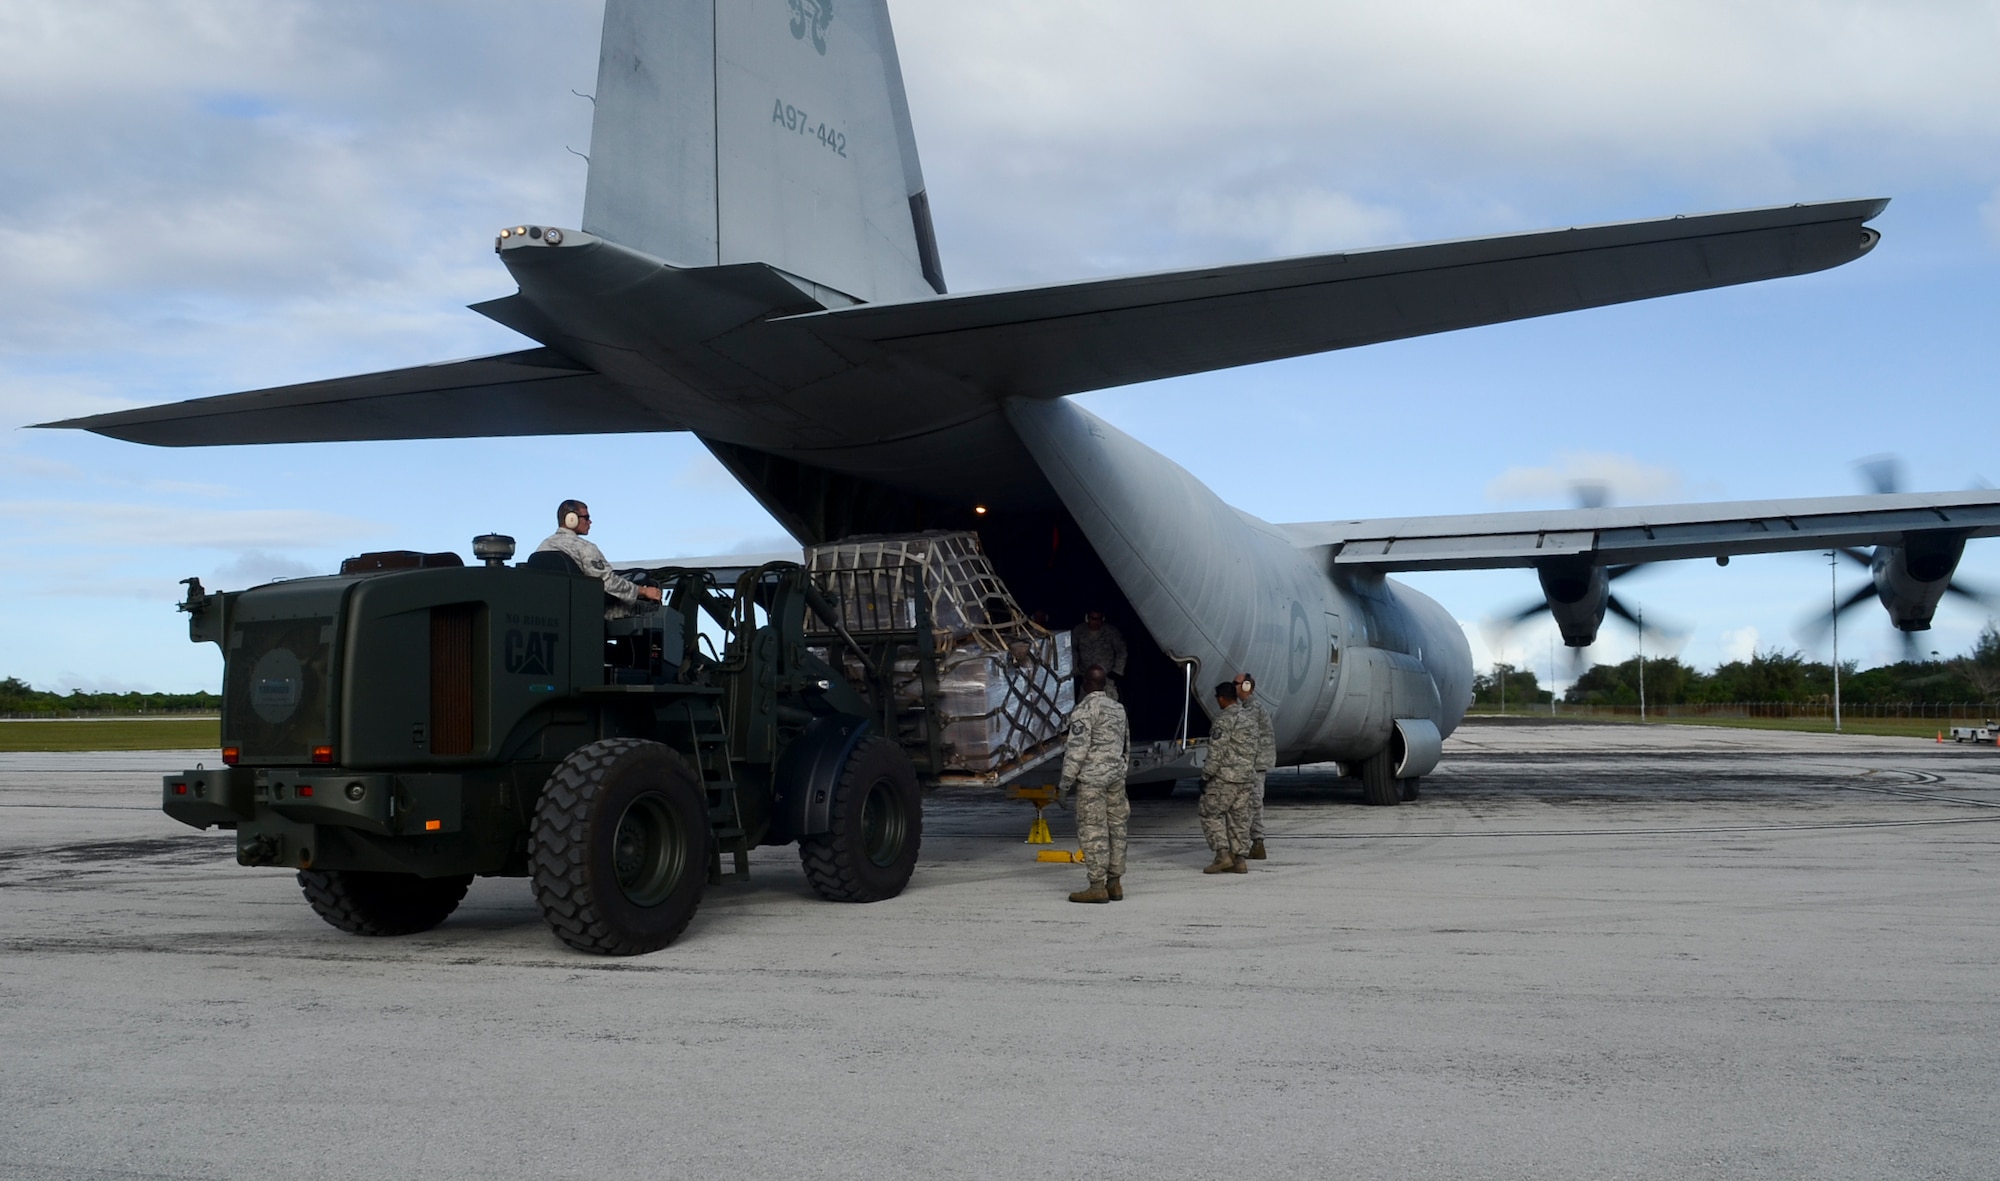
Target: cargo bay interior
1038	550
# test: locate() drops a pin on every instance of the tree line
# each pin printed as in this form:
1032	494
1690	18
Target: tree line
1773	675
19	697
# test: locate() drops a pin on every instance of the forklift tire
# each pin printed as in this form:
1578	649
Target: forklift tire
870	849
361	902
619	850
1379	786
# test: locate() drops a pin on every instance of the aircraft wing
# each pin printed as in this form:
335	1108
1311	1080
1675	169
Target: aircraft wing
533	392
1047	342
1647	533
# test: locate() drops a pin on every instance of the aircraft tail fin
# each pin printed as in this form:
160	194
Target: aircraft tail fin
772	131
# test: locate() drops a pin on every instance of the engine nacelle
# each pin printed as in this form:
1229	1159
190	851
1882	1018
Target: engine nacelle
1578	591
1912	577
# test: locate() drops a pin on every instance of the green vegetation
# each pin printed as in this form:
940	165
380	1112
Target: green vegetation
112	734
1773	690
36	719
1509	686
1926	728
1777	676
18	698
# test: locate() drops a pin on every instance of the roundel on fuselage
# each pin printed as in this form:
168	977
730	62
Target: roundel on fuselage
1298	656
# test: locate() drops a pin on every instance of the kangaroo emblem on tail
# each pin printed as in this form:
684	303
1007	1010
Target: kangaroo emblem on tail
812	16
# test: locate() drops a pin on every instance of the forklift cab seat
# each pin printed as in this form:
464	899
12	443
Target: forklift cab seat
552	559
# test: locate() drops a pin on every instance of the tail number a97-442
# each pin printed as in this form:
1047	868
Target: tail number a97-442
793	119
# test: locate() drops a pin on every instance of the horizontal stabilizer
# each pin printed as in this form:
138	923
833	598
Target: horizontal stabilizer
533	392
743	354
1646	533
1051	341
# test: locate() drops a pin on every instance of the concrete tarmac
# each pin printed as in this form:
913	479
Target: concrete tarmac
1588	951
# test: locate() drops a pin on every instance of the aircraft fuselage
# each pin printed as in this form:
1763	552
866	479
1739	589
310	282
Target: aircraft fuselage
1215	591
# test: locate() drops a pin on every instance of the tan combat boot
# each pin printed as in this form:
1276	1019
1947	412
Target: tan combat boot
1113	888
1093	894
1239	865
1223	863
1257	849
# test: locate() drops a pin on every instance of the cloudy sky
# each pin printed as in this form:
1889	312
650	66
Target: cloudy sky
201	196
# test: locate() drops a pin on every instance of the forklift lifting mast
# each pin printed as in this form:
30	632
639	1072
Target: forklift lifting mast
392	731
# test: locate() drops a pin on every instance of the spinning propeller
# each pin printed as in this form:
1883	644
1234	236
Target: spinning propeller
1815	627
1891	567
1578	594
1612	605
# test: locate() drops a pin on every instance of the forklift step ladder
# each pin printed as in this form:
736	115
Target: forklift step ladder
725	812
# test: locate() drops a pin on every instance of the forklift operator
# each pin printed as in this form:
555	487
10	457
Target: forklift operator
573	521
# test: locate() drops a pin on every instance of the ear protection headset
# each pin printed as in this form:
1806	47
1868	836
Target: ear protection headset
570	520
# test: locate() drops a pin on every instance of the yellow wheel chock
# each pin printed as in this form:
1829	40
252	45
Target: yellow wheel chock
1038	833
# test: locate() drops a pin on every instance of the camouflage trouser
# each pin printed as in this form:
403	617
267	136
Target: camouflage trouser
1257	808
1225	816
1101	813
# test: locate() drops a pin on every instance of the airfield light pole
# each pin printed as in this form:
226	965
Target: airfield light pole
1833	599
1641	612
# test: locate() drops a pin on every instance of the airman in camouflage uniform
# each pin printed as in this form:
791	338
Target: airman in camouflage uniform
1096	642
622	597
1267	758
1094	767
1226	780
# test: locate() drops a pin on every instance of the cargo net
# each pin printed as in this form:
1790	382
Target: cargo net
1003	694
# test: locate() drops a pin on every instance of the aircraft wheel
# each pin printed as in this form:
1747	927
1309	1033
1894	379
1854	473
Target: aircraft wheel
619	851
360	902
1151	791
1379	786
877	826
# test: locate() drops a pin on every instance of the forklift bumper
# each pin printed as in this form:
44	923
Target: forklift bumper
371	802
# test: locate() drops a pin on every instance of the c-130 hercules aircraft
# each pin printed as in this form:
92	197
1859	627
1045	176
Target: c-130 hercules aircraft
756	264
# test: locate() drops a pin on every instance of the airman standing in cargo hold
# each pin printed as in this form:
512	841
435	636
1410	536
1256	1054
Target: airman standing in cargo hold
1094	767
1226	779
573	523
1096	642
1267	758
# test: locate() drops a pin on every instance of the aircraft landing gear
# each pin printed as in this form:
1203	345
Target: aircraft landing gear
1379	786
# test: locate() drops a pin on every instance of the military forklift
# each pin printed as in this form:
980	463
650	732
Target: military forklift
392	731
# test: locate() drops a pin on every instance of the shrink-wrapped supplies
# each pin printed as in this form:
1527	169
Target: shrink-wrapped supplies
998	707
1003	683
